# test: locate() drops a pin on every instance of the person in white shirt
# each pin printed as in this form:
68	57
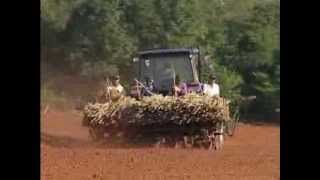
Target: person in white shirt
212	89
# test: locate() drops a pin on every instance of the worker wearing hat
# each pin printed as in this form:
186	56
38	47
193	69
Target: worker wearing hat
213	88
114	90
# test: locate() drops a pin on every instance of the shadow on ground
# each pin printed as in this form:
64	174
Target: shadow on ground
63	141
261	123
69	142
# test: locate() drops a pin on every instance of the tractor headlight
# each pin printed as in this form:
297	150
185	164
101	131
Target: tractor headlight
195	51
135	59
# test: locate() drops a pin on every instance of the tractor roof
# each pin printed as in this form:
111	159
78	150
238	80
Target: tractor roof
165	51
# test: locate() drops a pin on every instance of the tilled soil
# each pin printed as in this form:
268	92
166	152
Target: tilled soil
68	154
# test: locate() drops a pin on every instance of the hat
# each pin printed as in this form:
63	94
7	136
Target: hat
212	77
115	77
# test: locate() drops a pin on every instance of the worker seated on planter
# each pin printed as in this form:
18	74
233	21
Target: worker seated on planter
180	89
213	88
149	87
114	90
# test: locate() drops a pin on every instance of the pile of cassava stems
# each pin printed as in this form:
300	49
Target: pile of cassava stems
190	120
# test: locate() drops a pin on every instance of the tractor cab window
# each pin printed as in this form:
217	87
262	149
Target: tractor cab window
163	68
147	69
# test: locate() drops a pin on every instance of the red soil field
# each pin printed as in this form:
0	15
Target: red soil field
68	154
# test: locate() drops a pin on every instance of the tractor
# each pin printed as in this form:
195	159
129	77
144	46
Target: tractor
158	72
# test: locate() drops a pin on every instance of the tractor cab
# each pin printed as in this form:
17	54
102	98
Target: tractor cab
157	70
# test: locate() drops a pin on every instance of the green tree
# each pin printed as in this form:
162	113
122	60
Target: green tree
240	39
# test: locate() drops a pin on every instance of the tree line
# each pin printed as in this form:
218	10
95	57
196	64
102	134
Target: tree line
240	40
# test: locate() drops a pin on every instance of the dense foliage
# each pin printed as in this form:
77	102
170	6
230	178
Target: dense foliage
239	40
